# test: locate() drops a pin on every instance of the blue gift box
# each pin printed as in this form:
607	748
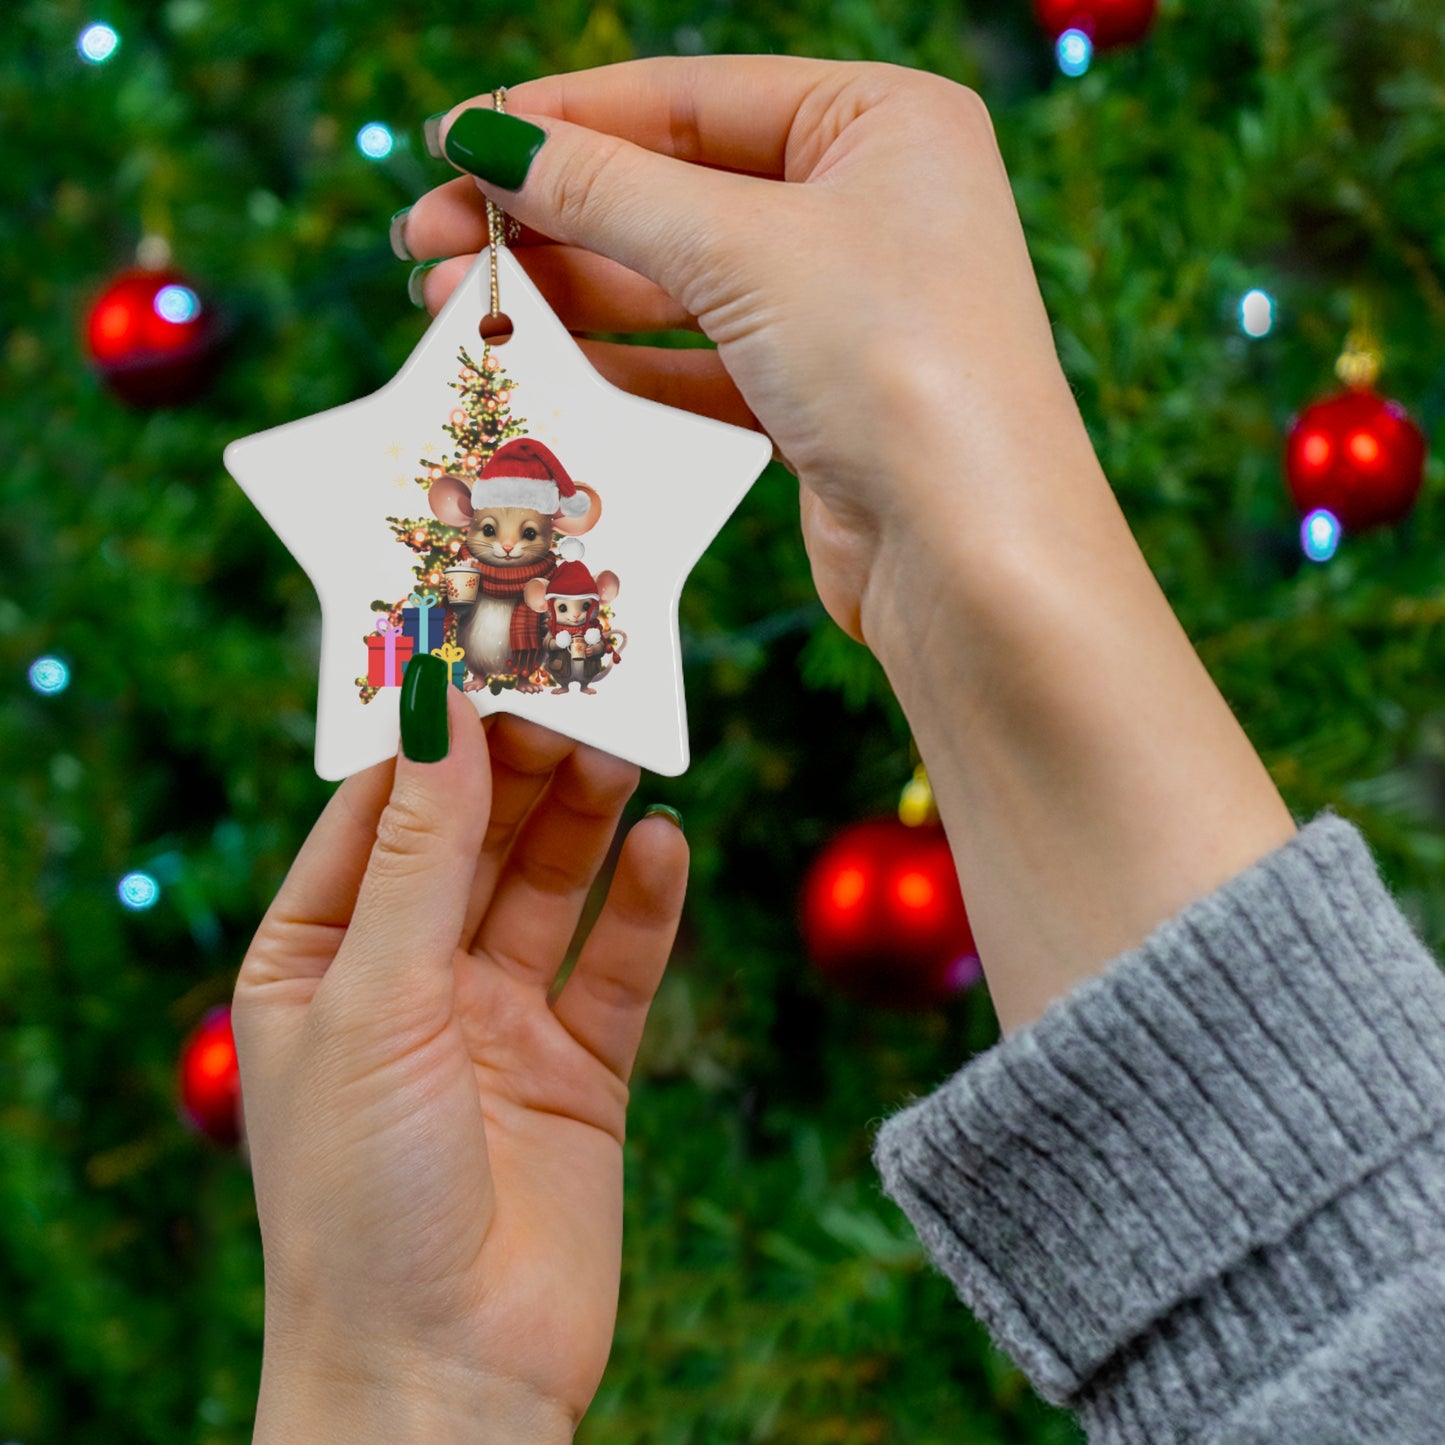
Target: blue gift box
427	627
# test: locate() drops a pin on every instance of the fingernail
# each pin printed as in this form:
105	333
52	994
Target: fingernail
498	148
663	811
397	235
414	281
431	133
424	734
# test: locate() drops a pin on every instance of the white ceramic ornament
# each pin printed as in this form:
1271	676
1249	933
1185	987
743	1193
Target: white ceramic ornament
553	461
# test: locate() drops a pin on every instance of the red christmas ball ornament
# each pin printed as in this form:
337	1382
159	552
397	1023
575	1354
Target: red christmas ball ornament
210	1079
883	917
1359	456
1107	23
152	338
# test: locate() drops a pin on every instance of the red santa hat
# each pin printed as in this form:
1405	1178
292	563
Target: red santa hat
572	579
524	473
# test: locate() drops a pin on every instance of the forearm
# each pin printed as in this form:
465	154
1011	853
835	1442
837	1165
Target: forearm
1092	779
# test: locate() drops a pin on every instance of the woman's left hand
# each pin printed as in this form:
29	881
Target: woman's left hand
437	1145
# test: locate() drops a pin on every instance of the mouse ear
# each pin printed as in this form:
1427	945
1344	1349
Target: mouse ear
451	501
572	526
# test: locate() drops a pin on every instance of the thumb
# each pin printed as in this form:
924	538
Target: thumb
664	218
395	964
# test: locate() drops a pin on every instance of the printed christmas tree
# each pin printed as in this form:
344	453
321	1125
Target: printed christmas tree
477	427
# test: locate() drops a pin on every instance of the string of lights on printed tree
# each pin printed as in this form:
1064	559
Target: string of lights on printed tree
881	914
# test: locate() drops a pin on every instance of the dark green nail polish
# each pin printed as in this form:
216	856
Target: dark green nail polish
424	734
397	234
431	133
671	814
498	148
413	282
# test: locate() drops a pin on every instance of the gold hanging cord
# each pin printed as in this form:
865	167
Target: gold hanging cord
501	228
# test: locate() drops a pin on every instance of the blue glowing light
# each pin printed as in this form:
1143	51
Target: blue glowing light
49	675
1075	52
177	303
1320	535
97	43
375	141
1256	313
138	891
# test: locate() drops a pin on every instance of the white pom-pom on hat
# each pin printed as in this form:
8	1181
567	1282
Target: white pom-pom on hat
571	549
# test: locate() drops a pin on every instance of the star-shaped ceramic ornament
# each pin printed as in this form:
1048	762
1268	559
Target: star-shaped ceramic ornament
506	508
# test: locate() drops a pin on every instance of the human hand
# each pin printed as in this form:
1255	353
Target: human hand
437	1149
878	316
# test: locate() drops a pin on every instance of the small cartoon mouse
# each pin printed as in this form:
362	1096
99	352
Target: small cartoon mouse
571	600
519	500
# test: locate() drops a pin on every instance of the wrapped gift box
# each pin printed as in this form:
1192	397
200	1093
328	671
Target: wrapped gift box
424	620
387	656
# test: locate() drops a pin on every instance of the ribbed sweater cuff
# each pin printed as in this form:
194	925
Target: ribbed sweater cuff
1174	1119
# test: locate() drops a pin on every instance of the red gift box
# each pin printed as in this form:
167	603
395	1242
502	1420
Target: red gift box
387	658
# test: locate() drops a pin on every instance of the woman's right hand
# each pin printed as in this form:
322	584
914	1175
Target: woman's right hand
848	237
878	316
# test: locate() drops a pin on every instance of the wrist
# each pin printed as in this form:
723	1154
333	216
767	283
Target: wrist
421	1401
999	472
969	566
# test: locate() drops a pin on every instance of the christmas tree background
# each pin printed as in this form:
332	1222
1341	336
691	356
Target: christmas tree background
770	1292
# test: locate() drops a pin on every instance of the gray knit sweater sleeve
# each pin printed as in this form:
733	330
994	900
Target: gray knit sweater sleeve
1202	1199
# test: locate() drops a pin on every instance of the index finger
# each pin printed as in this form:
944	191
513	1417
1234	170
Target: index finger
733	112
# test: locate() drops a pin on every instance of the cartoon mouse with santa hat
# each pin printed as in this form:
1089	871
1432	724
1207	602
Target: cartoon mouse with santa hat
571	600
518	502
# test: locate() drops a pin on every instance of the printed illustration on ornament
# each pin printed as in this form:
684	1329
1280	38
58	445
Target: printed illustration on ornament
502	592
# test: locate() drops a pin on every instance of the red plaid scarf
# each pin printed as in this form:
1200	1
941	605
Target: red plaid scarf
528	627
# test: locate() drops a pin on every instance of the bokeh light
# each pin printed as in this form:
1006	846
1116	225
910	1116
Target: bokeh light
849	887
1320	535
97	43
965	970
1256	313
177	303
1075	52
49	675
1364	448
375	141
138	891
1315	451
914	889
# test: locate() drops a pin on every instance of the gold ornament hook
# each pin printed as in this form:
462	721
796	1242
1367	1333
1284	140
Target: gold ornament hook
1360	362
916	806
